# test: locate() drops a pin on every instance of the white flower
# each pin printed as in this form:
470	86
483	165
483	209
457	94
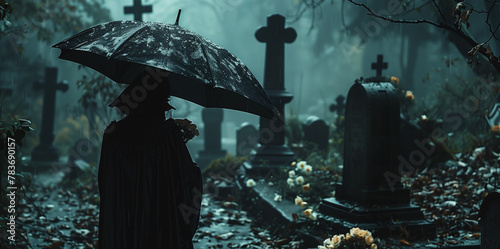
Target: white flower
301	165
250	183
298	200
277	197
290	182
291	173
308	169
299	180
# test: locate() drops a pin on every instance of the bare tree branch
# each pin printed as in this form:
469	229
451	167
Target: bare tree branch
482	48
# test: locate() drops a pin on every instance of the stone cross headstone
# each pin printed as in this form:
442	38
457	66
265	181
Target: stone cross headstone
247	137
379	65
340	106
272	148
45	150
212	121
489	214
316	131
138	9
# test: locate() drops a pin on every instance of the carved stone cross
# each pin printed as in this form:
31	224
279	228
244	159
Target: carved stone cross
138	9
45	151
379	65
272	148
340	106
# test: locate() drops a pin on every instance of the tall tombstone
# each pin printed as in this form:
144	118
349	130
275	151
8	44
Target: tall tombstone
489	214
212	121
367	196
45	151
317	132
247	137
138	9
272	150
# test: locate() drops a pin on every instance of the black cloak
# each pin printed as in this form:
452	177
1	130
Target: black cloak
150	188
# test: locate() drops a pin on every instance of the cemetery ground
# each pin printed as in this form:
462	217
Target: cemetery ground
59	210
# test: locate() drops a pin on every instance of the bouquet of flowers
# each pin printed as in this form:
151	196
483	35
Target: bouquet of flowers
188	129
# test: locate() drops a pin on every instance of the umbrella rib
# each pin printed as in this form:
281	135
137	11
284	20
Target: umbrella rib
127	39
208	62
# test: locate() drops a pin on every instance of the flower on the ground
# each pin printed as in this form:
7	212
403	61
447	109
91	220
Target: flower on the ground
409	95
308	169
299	180
298	200
373	246
395	80
277	197
250	183
290	182
294	163
301	165
306	187
303	204
308	212
291	173
368	240
495	128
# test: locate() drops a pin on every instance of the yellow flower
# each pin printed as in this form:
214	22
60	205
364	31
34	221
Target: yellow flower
368	240
303	204
308	212
495	128
336	240
306	187
409	95
348	236
395	80
294	163
373	246
354	231
362	233
250	183
298	200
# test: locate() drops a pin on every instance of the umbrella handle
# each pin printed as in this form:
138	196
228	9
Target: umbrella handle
178	15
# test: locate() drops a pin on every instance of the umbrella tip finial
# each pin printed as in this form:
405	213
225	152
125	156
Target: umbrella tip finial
178	15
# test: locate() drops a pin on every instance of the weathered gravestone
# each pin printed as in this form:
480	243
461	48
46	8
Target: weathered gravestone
317	132
490	221
45	151
366	197
138	9
212	121
272	150
246	139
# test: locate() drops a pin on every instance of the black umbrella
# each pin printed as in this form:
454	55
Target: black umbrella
200	71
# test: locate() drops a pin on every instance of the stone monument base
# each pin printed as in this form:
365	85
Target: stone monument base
383	219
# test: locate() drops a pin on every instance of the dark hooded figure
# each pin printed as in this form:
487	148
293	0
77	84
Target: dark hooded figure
150	188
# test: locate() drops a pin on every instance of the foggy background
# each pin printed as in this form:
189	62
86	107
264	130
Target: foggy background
336	44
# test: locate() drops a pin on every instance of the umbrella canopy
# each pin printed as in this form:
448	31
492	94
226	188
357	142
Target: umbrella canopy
200	71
